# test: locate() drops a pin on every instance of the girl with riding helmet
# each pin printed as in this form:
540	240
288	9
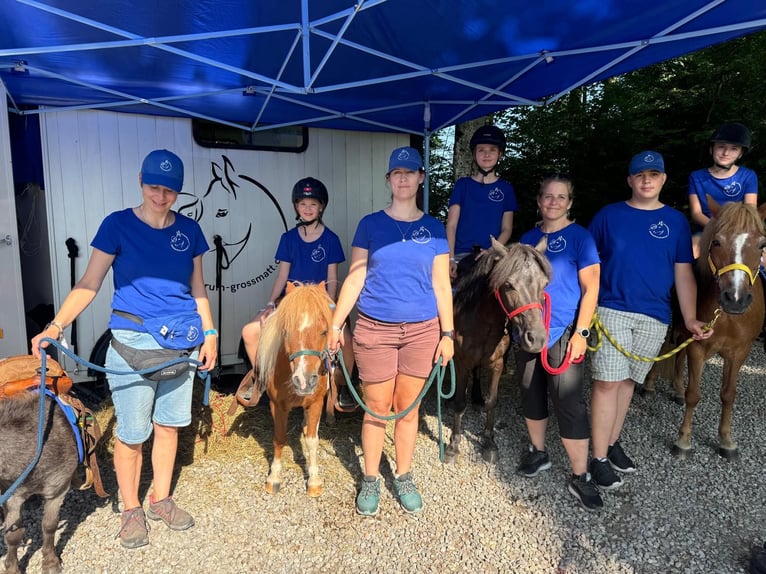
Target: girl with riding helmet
724	181
308	253
481	205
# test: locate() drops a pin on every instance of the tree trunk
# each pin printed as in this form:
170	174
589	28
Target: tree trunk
461	152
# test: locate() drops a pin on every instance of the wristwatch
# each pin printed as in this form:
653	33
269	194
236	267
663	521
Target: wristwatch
450	334
584	332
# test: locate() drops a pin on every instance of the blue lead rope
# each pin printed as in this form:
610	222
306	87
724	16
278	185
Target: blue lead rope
41	413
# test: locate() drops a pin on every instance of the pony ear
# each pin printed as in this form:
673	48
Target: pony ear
542	245
713	205
497	246
290	286
322	284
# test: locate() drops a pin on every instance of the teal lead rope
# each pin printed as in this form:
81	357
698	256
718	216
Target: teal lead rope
438	372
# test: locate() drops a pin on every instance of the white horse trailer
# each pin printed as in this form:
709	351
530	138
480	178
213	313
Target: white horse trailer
241	198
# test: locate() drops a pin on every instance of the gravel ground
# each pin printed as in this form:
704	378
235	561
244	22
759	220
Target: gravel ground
703	515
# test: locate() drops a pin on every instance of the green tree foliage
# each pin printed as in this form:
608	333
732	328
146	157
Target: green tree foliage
671	107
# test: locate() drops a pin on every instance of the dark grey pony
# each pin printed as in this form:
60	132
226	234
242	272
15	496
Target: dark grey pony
516	275
51	477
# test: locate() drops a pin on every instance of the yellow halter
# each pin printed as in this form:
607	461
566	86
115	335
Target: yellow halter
733	267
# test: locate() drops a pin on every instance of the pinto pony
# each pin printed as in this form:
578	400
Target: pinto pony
294	366
728	285
503	291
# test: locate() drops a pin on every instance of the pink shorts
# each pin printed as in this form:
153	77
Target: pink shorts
383	350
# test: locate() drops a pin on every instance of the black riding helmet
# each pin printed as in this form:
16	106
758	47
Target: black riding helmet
310	188
489	134
733	133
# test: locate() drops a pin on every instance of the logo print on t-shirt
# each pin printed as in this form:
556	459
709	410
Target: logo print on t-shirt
496	194
733	189
659	230
192	334
318	254
421	235
179	242
557	245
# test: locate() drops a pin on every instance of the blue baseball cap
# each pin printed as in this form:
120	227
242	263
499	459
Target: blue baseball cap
163	167
645	161
405	158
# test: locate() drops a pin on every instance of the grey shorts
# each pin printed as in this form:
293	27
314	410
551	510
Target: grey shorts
638	334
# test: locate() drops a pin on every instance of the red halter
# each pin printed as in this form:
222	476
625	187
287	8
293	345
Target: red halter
546	310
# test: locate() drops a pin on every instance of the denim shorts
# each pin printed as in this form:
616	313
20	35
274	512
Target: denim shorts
636	333
138	401
383	350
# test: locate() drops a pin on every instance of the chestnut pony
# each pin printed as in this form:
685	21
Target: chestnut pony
293	366
503	292
728	285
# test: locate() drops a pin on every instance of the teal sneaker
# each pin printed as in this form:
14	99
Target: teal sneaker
368	499
408	494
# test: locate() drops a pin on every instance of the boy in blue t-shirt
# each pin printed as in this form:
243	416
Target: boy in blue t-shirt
645	249
481	205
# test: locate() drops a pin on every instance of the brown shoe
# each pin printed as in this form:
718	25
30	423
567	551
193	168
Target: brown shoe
167	511
134	531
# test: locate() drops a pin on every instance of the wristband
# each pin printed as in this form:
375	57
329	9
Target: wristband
58	326
210	332
450	334
270	304
453	260
338	329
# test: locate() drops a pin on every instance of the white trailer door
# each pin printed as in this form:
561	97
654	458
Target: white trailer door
13	331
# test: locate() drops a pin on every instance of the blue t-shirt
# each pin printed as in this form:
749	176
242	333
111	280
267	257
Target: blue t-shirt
639	249
725	190
152	268
569	250
482	206
309	260
400	256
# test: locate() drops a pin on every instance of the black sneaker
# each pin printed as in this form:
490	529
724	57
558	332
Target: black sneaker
603	475
534	462
586	493
619	460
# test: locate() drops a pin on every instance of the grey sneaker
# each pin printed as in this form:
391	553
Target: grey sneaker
619	460
582	488
368	499
167	511
534	462
603	475
408	494
134	531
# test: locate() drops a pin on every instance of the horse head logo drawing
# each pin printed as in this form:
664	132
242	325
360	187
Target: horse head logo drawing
225	179
659	230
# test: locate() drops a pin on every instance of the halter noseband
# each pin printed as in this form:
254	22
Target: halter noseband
732	267
324	355
518	310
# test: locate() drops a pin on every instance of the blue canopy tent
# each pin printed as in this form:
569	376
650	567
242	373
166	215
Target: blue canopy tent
396	65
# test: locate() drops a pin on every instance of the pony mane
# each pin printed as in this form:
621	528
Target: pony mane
288	318
493	269
733	218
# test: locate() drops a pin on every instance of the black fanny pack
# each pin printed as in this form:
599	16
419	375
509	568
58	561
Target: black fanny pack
140	359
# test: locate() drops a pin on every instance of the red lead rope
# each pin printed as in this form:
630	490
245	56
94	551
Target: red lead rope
546	310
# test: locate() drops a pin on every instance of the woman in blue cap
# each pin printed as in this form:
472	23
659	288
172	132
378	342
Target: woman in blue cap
159	302
399	279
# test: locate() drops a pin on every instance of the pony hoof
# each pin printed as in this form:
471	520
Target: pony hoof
681	453
273	487
489	455
450	456
680	401
645	391
729	453
314	491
